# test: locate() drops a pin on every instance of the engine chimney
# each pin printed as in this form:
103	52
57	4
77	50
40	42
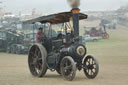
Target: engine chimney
75	15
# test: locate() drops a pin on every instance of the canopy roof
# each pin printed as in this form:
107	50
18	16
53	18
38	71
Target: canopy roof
55	18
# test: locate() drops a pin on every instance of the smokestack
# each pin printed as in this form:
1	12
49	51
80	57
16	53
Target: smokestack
75	15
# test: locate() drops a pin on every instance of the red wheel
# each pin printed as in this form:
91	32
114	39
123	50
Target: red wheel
105	36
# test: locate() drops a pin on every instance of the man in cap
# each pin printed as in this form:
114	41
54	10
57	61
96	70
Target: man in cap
40	35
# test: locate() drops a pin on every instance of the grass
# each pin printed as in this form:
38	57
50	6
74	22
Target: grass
112	50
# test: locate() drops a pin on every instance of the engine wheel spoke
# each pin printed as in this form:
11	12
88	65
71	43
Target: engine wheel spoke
68	68
92	67
36	60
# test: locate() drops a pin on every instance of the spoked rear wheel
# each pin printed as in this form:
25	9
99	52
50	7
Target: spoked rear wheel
91	67
68	68
37	60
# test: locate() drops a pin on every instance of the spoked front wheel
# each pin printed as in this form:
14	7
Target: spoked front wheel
68	68
37	60
91	67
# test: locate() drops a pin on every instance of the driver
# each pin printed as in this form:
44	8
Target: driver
60	36
40	35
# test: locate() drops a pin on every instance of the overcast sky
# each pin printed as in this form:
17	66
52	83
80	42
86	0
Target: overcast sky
50	6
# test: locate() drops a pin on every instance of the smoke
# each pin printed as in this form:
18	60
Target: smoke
74	3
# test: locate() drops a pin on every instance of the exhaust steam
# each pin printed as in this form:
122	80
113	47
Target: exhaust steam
74	3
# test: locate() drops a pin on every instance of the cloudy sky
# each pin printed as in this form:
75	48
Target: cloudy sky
50	6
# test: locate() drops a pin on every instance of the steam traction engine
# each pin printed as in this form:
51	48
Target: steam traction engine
65	54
